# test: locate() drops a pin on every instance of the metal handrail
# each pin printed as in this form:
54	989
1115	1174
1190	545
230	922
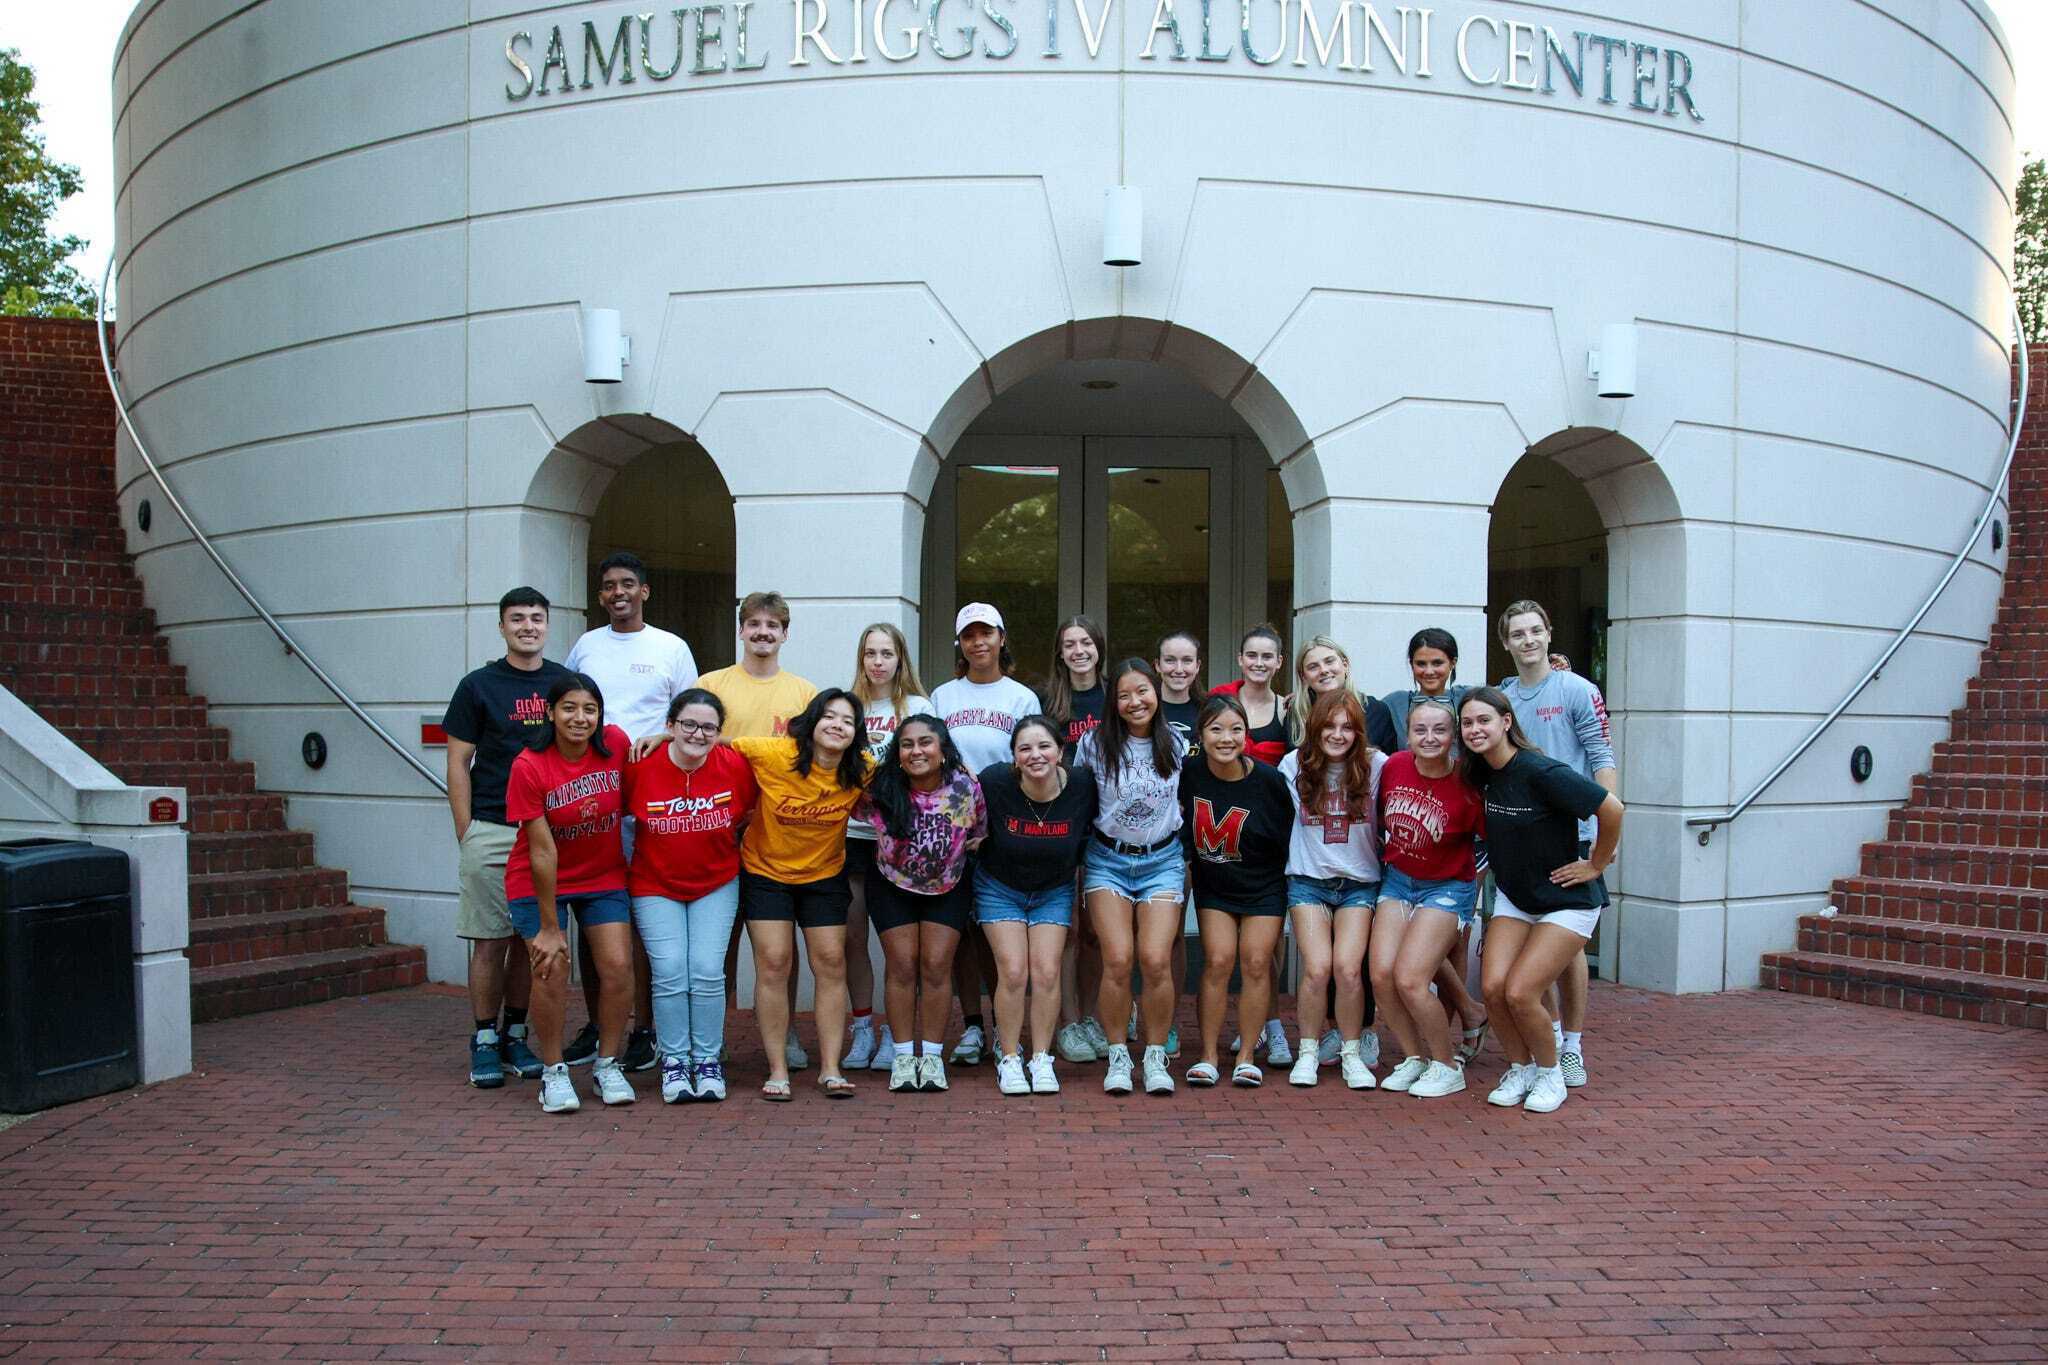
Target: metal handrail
2019	419
284	637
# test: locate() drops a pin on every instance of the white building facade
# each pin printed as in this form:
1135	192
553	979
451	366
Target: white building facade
877	362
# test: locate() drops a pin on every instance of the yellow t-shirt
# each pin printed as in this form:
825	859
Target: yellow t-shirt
757	708
798	833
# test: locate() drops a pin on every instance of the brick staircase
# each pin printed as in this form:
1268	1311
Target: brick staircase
270	928
1948	914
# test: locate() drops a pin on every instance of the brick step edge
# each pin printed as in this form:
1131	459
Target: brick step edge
225	939
2011	954
278	983
1924	990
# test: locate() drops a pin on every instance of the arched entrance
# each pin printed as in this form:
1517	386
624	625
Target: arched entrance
1546	541
1116	487
670	506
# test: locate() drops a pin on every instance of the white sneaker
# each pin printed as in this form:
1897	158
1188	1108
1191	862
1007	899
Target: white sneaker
861	1054
931	1072
1277	1051
794	1054
903	1073
1573	1065
678	1080
612	1085
1158	1080
1369	1047
884	1058
1074	1044
1548	1092
967	1052
1043	1081
1097	1039
1010	1076
1514	1086
557	1091
1328	1046
1117	1081
1441	1079
1305	1066
1408	1073
1357	1074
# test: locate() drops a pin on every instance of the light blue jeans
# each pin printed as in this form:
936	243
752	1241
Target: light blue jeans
686	968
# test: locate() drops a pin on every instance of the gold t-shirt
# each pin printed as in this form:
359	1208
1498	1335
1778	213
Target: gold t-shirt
798	833
757	708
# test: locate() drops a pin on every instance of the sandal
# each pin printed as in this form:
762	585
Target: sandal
1474	1039
1202	1074
836	1087
1248	1076
775	1090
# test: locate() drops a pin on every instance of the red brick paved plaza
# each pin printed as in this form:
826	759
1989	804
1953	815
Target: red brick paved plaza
1748	1177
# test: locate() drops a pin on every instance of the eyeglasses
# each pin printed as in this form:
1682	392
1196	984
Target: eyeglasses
694	727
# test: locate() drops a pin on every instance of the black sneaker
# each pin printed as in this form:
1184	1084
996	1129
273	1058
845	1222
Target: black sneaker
581	1049
641	1054
486	1071
518	1058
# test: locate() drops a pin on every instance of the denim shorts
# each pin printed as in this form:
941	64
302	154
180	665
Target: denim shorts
589	907
1335	893
997	902
1456	897
1137	877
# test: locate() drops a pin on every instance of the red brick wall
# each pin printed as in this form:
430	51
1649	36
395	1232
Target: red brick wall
54	403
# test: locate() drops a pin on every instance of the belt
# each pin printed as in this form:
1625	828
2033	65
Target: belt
1134	850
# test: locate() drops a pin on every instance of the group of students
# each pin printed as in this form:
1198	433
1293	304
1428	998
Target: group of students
970	826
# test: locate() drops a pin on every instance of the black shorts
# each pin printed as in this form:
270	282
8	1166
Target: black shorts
860	858
813	905
891	907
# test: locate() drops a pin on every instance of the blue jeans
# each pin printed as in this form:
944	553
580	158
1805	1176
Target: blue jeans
686	948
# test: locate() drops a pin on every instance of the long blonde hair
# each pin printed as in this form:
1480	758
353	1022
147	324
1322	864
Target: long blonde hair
902	687
1304	699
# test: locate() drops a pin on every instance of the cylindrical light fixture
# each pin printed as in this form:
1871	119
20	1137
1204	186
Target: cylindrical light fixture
1617	366
1123	226
606	349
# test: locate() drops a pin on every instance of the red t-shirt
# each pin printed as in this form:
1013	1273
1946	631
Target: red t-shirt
582	801
1429	822
686	843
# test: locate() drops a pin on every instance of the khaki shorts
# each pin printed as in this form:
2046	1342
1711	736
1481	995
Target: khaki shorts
481	881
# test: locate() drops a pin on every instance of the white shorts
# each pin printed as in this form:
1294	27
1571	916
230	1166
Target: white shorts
1580	922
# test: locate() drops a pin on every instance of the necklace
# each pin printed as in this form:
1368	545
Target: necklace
1037	814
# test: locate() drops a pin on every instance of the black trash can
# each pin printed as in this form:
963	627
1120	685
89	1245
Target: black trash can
67	974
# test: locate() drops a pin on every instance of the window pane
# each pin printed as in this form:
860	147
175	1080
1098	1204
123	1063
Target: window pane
1158	546
1008	534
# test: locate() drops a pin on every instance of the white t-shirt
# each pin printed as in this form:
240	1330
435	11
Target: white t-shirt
640	671
1314	845
982	715
1137	805
881	722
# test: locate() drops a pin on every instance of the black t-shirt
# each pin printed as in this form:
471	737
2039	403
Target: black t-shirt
1034	846
1533	809
1379	725
1236	833
1086	713
1182	715
498	708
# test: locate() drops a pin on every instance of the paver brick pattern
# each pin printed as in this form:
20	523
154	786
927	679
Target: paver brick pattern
1747	1177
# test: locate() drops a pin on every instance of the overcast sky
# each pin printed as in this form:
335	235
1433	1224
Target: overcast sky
70	43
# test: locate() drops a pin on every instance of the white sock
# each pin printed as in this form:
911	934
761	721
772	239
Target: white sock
1571	1042
1557	1032
904	1049
932	1049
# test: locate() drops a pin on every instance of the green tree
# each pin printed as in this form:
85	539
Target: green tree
2030	250
34	278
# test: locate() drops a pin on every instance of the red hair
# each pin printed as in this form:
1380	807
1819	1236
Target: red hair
1314	774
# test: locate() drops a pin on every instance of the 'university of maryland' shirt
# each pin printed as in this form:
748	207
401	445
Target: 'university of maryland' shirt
581	801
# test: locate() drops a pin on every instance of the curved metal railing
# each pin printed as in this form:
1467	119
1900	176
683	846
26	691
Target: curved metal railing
284	637
1709	823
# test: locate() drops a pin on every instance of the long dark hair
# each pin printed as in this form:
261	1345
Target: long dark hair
1111	735
1436	637
890	789
853	764
544	738
1059	693
1474	769
1313	774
